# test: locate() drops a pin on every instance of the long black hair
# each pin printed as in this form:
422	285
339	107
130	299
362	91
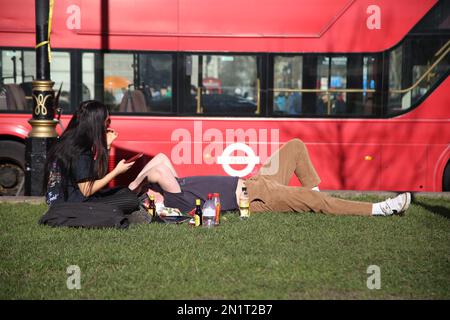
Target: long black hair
85	133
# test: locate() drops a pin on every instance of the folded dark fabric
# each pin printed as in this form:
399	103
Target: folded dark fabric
84	214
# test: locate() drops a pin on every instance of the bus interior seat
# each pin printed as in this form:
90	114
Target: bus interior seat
124	103
133	101
3	103
27	88
15	97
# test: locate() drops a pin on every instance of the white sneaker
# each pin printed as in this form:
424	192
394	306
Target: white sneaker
397	205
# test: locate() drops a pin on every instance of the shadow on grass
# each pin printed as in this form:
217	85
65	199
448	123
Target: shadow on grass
439	210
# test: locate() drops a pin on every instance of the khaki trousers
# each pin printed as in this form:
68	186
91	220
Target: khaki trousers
269	191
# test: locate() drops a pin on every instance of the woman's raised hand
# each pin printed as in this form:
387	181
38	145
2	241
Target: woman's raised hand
122	167
111	135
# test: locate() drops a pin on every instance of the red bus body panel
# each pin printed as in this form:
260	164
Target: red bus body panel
408	152
202	25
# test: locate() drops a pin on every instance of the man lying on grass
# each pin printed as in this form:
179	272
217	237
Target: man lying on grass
268	190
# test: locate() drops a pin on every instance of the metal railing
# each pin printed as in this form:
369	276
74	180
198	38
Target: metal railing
328	92
441	53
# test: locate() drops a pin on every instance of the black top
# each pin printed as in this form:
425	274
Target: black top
198	187
80	173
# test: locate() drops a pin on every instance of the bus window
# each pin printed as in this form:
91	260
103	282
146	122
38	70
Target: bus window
331	74
371	73
118	75
363	73
60	74
18	70
420	62
395	79
338	80
221	84
414	68
319	85
288	78
88	76
155	81
310	85
133	82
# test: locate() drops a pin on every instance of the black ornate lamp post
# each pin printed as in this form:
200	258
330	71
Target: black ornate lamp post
43	126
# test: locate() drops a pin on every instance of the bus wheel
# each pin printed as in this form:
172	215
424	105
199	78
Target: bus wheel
12	164
446	178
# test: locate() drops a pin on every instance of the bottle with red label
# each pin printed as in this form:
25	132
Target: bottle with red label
216	200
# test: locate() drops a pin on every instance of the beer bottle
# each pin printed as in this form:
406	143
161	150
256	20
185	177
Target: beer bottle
198	213
244	204
151	206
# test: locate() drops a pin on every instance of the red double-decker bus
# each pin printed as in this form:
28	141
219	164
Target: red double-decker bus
363	83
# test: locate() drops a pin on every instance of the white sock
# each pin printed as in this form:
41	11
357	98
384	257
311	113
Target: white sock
376	209
316	188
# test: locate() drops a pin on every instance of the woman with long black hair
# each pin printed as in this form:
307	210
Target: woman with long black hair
77	165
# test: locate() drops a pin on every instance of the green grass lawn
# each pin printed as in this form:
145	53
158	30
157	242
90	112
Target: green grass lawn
269	256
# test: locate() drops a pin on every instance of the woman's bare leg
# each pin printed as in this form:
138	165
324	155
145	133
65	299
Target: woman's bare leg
160	174
159	159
